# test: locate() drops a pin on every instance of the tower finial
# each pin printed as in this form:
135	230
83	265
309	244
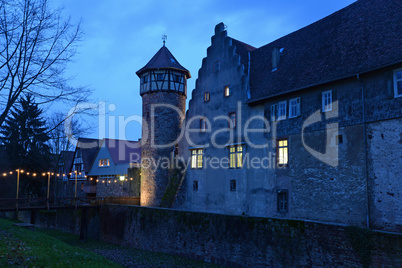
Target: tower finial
164	37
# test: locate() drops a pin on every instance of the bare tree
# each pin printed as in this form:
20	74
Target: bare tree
58	137
35	46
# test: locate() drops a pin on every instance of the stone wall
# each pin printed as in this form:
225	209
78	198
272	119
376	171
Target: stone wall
384	171
248	241
161	126
66	220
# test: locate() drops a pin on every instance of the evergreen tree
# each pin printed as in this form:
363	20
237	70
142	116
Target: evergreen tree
25	139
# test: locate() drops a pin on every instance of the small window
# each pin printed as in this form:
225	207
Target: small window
282	110
196	158
160	77
195	185
216	67
104	162
236	156
339	139
176	78
227	91
232	120
203	124
398	83
282	152
206	96
145	79
294	108
327	101
82	186
274	112
283	200
232	185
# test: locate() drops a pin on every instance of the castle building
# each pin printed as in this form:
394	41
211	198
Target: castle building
308	126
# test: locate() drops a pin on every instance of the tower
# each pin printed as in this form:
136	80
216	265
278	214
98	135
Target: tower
163	88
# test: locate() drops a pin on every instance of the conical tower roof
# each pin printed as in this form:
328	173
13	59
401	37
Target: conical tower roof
163	59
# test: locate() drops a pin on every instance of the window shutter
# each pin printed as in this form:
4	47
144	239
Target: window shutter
298	107
390	90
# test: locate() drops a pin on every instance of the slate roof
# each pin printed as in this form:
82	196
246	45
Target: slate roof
359	38
163	59
122	150
89	149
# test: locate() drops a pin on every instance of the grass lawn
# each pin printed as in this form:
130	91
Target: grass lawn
22	247
53	248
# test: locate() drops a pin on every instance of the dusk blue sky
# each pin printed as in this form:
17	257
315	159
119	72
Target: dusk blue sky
121	36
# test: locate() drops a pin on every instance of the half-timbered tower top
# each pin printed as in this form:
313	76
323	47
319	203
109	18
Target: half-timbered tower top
163	73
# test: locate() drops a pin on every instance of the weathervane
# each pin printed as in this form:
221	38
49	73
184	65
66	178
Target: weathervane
164	37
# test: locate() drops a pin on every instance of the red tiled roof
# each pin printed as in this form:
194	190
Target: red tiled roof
163	59
359	38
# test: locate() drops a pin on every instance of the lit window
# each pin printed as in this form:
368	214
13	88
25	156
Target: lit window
283	152
327	101
274	112
294	107
196	158
398	83
232	120
232	185
282	110
236	156
206	96
195	185
203	124
104	162
227	91
283	200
